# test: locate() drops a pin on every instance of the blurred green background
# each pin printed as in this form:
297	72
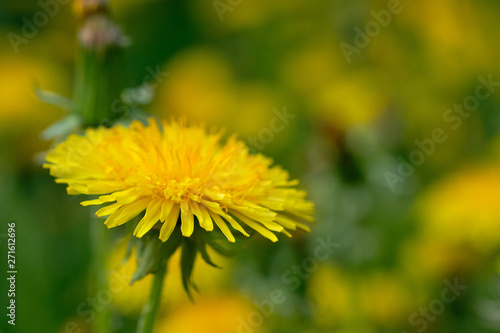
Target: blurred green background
392	131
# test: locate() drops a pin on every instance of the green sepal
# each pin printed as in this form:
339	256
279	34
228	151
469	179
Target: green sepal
220	244
201	246
129	228
172	244
130	246
188	257
148	250
152	252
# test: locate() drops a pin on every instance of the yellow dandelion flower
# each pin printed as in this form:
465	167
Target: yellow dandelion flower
179	171
214	314
462	210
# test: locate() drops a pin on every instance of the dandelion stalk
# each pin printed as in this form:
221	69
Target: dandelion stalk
148	315
99	245
100	66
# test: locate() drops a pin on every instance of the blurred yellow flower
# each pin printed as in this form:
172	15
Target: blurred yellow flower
329	290
385	298
463	209
224	15
429	257
348	102
22	115
313	66
454	48
21	75
180	171
214	314
200	87
340	298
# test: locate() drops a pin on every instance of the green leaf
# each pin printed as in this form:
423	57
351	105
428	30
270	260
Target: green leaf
54	99
62	128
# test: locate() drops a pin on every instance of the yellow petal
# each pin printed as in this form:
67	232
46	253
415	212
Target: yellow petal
286	222
206	217
170	222
273	203
222	226
103	187
264	216
235	224
307	217
124	197
204	223
150	218
72	191
127	212
187	226
166	208
91	202
259	228
74	188
215	207
108	210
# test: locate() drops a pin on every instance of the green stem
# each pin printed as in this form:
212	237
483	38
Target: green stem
99	243
98	85
148	315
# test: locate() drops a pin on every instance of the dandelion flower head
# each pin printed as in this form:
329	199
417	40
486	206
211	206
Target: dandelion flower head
180	176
